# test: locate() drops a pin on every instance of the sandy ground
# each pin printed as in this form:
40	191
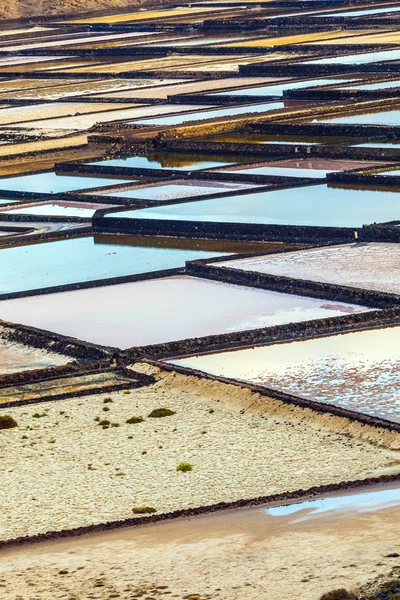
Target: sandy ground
249	446
242	555
16	9
368	266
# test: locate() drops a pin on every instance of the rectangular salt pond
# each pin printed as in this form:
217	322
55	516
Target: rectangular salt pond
359	13
162	310
357	59
357	371
212	114
392	144
183	162
317	167
59	209
16	357
176	190
309	205
372	266
278	89
388	117
51	183
381	85
81	259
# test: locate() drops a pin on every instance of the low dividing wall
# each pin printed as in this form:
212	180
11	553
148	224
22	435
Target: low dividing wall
92	284
281	150
221	231
313	70
266	335
327	129
290	285
133	381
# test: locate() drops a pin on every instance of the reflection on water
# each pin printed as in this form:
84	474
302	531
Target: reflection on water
359	371
212	246
309	205
364	502
80	259
185	162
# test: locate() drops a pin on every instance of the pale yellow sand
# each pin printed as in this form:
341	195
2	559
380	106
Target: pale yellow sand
68	471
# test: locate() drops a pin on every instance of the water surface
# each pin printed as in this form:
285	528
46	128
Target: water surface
82	259
50	183
308	205
358	371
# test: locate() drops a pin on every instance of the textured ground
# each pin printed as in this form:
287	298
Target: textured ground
244	555
248	446
16	9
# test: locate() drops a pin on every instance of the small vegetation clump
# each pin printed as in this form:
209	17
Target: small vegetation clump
340	594
143	510
134	420
104	422
7	422
107	400
159	413
185	467
38	415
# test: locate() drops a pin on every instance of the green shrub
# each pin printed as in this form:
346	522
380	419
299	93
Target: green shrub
107	400
340	594
134	420
143	510
184	467
105	408
7	422
104	422
38	415
158	413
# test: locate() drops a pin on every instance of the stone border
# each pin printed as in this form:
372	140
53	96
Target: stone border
92	284
137	380
265	336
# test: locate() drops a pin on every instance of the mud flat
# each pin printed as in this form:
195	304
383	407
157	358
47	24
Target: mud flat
368	266
357	371
177	308
240	445
16	357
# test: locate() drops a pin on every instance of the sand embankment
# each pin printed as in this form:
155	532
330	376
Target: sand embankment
63	470
240	555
